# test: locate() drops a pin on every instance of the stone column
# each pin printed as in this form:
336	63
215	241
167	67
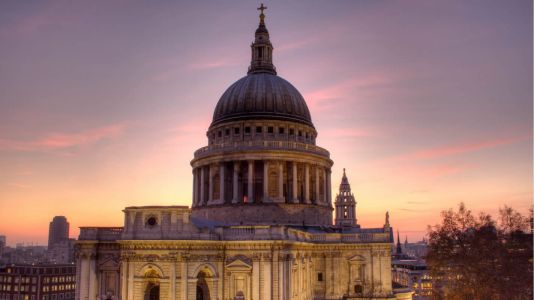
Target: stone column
281	182
131	269
324	187
328	187
250	190
255	278
235	191
307	183
267	282
83	283
202	183
124	279
274	275
265	181
183	279
172	281
281	278
220	281
210	183
194	187
291	282
92	277
295	183
317	185
221	183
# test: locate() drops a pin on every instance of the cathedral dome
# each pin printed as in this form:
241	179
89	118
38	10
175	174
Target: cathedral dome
262	96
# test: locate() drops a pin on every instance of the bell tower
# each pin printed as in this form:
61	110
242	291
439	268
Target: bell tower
262	49
345	204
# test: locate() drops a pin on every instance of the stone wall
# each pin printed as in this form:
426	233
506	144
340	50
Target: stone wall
266	214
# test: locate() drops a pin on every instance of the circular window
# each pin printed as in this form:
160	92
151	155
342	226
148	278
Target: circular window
152	221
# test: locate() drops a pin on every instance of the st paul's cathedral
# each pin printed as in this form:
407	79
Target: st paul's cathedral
261	223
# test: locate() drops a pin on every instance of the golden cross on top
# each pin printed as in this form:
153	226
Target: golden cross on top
262	8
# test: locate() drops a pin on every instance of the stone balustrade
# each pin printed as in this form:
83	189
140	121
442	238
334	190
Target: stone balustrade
237	233
261	145
100	233
241	233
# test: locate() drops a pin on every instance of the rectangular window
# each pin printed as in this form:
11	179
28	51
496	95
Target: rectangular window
247	129
319	276
227	132
236	130
291	131
270	129
281	130
259	129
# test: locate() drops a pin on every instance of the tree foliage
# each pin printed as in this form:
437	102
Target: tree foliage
475	257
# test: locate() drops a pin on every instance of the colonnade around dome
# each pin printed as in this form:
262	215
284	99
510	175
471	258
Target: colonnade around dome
261	181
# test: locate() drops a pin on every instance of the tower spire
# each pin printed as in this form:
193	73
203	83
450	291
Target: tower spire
345	204
399	247
262	49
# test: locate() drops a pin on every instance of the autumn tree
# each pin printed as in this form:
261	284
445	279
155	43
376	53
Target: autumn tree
475	257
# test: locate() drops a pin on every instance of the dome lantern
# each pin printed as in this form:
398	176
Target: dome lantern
262	49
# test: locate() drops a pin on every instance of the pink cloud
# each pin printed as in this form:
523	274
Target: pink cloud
214	64
18	185
444	170
349	133
172	67
292	45
54	141
463	148
44	18
328	97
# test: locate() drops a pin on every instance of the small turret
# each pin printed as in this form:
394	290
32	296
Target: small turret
345	204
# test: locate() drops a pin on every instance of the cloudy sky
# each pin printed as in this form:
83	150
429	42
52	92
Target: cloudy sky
102	103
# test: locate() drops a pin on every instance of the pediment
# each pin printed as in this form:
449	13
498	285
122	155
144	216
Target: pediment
356	259
239	264
109	263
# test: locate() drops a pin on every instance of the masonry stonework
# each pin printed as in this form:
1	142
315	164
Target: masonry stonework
261	221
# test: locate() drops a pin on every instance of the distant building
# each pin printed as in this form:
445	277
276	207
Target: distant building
60	247
58	231
3	244
413	274
417	249
42	282
24	255
61	253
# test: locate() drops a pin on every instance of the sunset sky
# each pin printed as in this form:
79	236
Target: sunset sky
102	103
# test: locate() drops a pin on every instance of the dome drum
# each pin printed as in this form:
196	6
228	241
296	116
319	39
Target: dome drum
261	130
256	179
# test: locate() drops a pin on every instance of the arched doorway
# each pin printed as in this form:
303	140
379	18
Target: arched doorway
152	291
203	292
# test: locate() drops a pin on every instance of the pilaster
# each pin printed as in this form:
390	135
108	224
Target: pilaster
235	191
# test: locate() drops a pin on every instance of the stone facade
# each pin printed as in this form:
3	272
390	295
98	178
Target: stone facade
260	225
161	247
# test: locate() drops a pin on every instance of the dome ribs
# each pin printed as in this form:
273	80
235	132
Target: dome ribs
262	96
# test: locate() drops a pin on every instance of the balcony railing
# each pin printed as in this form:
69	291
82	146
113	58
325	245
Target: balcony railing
239	233
100	233
261	145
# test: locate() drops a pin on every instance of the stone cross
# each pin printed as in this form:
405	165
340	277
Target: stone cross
262	8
